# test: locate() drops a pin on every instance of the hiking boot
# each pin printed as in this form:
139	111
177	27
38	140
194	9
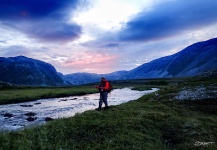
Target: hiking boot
106	107
98	109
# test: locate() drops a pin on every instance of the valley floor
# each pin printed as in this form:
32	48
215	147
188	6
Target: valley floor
154	121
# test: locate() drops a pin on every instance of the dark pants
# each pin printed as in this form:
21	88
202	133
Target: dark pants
103	99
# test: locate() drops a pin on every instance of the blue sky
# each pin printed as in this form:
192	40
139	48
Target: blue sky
103	36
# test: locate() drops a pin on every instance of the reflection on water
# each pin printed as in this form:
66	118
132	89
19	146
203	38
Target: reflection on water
18	116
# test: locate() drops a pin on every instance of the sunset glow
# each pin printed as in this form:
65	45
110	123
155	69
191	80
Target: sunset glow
103	36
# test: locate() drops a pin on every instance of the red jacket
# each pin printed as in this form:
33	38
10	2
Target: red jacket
104	86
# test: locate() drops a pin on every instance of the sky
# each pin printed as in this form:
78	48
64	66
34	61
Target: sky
103	36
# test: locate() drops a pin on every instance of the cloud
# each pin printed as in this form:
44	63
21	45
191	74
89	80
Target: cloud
99	62
43	20
111	45
3	41
14	51
53	31
34	9
169	19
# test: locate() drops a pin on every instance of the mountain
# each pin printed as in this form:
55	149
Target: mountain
191	61
83	78
21	70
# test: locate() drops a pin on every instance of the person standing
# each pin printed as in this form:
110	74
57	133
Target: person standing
103	89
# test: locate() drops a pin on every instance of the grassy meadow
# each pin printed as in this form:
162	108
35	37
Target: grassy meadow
154	121
24	94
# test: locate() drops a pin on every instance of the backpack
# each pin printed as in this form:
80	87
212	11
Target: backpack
110	87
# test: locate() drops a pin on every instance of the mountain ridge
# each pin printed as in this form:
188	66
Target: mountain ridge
26	71
191	61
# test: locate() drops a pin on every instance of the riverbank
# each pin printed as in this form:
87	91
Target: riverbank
25	94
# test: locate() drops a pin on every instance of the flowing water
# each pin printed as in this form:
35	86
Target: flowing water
27	114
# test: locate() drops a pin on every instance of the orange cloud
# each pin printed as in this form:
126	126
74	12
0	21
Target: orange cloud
92	62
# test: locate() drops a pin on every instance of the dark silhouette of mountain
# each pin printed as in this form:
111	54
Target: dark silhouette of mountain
191	61
194	60
25	71
83	78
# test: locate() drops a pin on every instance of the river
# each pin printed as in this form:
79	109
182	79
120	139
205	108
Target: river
27	114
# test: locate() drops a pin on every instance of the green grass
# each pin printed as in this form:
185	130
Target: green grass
16	95
155	121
